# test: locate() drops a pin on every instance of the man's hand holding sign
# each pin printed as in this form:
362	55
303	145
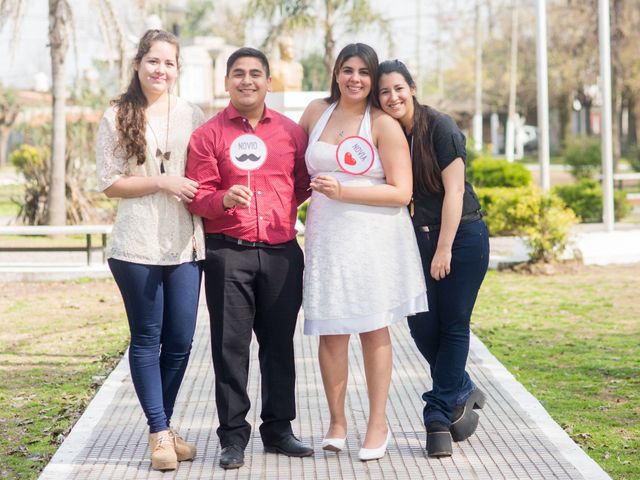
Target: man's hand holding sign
247	152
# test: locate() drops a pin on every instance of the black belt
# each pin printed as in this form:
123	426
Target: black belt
466	218
243	243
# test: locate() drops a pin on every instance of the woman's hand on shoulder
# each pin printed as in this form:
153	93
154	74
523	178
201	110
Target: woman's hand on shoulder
312	113
394	153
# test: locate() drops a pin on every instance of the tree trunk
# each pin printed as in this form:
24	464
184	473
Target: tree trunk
563	103
634	120
329	41
616	117
513	82
56	200
4	141
616	81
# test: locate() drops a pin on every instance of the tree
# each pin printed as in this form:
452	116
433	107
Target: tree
330	16
60	19
315	76
9	110
60	31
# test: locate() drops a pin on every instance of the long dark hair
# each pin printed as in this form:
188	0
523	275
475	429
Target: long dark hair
427	177
131	105
366	54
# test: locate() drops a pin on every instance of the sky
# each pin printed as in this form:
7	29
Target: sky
32	55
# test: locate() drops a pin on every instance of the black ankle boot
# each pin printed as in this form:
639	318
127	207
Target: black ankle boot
438	440
464	420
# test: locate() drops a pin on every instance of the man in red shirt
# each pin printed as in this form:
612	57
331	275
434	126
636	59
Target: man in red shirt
249	163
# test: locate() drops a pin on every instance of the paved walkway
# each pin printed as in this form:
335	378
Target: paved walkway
516	438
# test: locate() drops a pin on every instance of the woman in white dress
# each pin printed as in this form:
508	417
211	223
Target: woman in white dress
362	265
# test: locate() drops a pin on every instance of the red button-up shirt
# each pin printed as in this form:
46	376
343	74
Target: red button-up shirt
278	186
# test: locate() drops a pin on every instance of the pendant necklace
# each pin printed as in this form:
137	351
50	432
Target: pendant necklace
160	155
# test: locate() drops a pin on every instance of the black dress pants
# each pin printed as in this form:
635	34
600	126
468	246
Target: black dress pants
255	289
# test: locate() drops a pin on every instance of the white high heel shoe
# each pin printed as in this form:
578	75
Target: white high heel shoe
375	453
333	444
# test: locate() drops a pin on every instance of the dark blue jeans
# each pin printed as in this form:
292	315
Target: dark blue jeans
442	333
161	302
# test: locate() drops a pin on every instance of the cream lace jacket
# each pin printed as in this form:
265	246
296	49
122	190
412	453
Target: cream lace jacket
154	229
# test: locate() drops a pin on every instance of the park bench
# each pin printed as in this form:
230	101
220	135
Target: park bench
63	230
620	178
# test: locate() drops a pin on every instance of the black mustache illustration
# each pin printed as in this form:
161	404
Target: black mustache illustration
250	156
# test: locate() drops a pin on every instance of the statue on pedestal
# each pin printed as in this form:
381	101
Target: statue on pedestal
286	73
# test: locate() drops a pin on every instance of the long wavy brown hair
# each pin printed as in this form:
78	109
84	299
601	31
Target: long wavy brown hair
131	105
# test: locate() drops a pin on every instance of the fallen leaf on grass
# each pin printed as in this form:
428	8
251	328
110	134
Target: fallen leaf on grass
21	449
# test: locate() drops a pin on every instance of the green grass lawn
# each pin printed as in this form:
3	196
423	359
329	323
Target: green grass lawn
57	341
573	340
9	193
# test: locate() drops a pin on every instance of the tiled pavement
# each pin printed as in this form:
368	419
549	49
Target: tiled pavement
516	438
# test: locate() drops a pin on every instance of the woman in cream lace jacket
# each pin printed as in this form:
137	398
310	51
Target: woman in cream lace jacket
156	242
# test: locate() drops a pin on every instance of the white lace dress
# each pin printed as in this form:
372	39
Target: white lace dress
154	229
362	264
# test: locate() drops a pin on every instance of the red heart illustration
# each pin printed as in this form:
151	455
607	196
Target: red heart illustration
348	159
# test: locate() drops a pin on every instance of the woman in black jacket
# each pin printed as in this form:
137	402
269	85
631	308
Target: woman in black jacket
454	246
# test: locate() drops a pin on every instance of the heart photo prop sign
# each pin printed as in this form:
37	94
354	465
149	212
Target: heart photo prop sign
355	155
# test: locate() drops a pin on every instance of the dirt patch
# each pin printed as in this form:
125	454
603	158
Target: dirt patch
49	322
573	267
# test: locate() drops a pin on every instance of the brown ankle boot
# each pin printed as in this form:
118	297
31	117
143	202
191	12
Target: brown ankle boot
184	450
163	452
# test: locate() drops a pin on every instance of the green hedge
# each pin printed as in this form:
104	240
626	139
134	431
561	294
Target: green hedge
542	218
585	199
494	172
302	212
633	157
583	155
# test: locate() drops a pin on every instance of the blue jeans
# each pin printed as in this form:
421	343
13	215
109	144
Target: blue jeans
442	333
161	302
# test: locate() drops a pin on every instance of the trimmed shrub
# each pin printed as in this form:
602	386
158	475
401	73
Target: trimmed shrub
472	153
634	158
583	155
302	212
33	163
585	199
542	218
493	172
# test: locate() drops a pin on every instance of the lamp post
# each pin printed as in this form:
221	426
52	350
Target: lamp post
175	12
607	142
543	94
477	117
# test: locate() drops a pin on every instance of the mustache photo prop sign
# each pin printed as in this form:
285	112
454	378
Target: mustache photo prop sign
248	152
355	155
251	157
